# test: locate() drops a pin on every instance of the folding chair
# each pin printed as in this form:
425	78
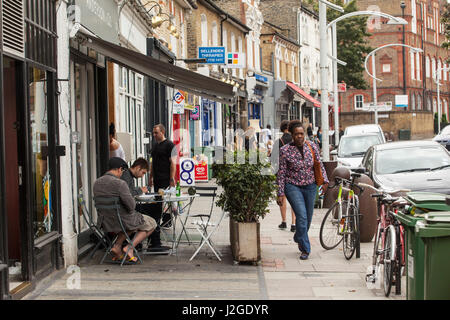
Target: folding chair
113	203
201	227
102	237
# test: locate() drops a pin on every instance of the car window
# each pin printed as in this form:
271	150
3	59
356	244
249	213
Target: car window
410	159
369	160
356	146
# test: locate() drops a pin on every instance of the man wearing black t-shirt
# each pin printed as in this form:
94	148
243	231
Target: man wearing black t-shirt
162	174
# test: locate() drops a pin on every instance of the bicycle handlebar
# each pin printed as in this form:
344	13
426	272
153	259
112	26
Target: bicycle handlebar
339	180
382	191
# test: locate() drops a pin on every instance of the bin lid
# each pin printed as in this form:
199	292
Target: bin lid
428	200
441	217
436	224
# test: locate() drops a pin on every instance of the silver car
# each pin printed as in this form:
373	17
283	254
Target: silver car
352	148
365	128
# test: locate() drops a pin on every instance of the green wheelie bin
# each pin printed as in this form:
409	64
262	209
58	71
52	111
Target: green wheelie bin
435	233
414	253
421	202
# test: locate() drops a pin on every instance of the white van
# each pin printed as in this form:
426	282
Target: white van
365	128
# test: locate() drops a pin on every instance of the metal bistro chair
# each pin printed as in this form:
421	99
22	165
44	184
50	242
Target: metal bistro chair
113	203
204	221
102	237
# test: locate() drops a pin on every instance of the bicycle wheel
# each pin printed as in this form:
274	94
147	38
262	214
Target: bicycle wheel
329	237
376	255
398	262
389	259
349	237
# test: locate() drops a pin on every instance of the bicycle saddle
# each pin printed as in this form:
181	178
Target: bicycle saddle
355	174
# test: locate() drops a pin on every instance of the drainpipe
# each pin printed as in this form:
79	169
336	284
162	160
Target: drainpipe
221	29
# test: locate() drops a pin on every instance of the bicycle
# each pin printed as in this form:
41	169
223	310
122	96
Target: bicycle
341	222
389	242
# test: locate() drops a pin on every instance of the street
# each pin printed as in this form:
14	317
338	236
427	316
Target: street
281	275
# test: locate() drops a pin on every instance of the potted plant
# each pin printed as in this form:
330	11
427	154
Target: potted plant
248	188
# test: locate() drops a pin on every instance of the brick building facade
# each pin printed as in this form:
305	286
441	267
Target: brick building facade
402	71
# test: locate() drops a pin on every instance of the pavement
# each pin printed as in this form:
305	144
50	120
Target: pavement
281	275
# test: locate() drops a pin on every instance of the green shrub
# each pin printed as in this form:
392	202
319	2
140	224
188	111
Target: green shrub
246	191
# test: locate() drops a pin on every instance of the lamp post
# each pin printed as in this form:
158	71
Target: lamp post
392	21
437	81
403	6
373	76
324	74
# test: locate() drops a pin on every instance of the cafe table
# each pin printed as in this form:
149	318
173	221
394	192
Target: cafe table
175	207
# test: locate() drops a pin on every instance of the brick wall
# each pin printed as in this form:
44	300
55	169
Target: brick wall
420	123
283	14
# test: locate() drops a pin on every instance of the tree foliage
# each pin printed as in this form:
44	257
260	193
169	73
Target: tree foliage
352	43
446	22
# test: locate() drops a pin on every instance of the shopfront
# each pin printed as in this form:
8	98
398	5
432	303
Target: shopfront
30	212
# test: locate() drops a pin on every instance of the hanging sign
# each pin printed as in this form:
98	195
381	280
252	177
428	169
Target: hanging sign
195	114
178	103
401	100
213	55
235	60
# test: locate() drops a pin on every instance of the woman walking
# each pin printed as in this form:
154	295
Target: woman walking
296	180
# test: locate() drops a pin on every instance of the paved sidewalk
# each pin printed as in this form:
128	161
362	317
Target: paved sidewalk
280	275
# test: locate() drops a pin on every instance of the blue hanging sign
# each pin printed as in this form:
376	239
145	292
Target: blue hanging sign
213	55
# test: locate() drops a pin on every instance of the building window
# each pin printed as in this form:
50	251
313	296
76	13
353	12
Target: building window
427	66
413	101
204	29
418	65
386	68
131	95
359	101
419	102
413	73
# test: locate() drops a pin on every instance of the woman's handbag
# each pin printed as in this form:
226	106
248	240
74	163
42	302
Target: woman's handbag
317	170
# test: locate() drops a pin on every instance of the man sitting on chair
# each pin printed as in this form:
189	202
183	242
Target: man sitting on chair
110	184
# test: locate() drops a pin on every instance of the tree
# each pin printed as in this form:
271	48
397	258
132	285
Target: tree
446	22
351	42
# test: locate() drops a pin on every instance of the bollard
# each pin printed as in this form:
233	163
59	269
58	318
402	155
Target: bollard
368	209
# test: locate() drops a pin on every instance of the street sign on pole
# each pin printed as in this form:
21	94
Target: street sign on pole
401	100
379	106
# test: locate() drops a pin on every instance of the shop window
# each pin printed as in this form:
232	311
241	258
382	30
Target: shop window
43	215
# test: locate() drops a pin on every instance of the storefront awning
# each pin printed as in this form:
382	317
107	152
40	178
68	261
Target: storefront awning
164	72
303	94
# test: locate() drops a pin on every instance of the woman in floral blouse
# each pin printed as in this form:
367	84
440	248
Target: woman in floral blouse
296	181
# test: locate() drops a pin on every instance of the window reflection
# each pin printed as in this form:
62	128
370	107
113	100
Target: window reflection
43	215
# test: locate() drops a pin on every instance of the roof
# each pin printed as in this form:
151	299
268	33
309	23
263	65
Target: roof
406	144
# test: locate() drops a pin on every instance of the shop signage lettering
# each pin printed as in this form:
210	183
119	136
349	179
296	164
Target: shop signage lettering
235	60
201	171
261	78
213	55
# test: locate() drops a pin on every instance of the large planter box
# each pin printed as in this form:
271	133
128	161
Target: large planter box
245	241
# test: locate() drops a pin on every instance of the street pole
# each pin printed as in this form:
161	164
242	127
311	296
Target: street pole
375	100
403	6
335	85
324	79
438	78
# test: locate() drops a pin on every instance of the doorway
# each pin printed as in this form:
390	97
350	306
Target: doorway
13	172
84	151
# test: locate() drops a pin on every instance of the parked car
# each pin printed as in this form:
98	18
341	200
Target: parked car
365	128
416	165
352	148
444	137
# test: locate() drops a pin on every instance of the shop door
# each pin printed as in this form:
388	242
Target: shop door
84	161
206	134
